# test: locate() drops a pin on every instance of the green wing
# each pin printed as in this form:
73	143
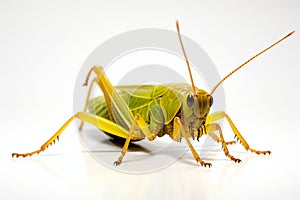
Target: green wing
172	100
141	98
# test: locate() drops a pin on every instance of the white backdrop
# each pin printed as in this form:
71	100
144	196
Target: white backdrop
43	45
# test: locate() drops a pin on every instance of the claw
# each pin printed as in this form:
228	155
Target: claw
17	155
117	162
202	163
266	152
236	160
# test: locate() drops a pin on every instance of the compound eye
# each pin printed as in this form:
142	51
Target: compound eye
211	101
190	100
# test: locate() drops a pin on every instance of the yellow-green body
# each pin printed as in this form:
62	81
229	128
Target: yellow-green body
158	105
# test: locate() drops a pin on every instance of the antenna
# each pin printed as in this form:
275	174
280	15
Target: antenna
186	59
245	63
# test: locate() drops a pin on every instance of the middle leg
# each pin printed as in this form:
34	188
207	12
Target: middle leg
216	127
178	127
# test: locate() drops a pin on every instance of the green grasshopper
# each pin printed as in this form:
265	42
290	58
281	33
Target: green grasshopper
135	112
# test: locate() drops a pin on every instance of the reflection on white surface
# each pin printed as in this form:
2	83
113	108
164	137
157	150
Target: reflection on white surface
78	175
142	156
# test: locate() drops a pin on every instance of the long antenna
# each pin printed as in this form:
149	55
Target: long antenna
245	63
186	59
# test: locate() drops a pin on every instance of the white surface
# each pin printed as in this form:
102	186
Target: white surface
43	45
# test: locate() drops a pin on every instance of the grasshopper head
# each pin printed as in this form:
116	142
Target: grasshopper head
196	107
199	102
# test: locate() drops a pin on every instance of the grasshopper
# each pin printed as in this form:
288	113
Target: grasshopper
136	112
